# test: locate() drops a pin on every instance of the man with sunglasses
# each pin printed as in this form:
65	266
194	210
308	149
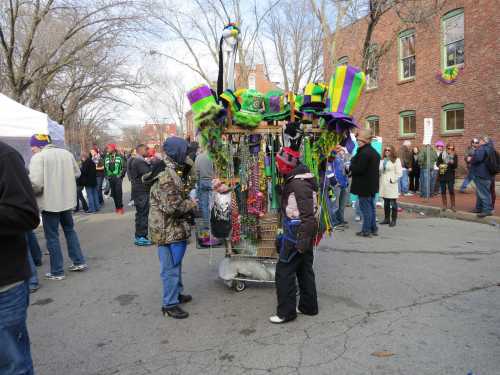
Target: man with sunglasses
474	143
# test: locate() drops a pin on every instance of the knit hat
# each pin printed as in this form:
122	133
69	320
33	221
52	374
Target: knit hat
287	159
39	140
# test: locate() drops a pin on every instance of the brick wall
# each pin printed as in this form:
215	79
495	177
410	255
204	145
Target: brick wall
477	87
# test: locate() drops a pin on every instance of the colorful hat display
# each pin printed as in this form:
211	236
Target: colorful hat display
275	107
314	98
252	104
346	86
39	140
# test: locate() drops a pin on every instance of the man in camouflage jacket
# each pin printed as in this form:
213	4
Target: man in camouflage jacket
168	223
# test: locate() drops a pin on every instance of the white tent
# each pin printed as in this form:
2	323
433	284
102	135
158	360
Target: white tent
18	123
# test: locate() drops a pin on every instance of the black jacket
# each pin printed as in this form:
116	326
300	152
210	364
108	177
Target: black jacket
303	184
137	168
365	172
18	215
447	173
89	174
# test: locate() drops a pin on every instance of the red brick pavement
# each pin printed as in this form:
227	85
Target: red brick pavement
464	202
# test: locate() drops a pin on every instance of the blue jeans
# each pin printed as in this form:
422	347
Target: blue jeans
100	180
404	182
51	221
34	247
33	281
341	197
367	207
467	180
92	198
483	194
15	352
203	191
433	181
171	275
424	180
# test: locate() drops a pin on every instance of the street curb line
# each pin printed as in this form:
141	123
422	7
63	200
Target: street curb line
459	215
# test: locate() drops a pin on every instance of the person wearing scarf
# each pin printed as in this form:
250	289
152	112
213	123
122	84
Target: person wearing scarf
391	171
447	162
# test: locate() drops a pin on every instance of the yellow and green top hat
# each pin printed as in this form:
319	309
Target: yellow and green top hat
204	105
314	98
252	105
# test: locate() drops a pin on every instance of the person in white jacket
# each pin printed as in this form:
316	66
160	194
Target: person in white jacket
390	172
53	173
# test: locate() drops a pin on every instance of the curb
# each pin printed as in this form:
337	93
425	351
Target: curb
459	215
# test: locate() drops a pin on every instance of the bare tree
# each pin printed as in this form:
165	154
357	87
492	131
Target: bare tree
198	26
132	136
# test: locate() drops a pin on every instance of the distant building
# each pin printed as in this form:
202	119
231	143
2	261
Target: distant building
253	78
155	134
405	86
189	130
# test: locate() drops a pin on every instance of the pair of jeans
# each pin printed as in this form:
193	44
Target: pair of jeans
298	269
434	184
404	182
341	197
80	198
425	183
115	184
141	202
33	281
170	273
367	207
493	192
100	180
483	194
15	352
467	180
34	247
203	192
93	198
51	221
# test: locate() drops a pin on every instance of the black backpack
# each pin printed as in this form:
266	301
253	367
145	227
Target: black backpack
492	162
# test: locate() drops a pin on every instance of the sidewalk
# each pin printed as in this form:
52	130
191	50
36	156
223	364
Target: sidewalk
465	202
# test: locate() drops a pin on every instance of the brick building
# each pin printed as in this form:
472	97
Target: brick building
189	131
253	78
155	134
403	88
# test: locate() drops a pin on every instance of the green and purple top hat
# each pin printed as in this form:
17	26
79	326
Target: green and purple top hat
314	98
344	91
275	107
204	105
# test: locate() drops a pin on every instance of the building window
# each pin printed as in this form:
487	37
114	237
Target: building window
372	123
344	60
372	68
408	123
453	117
453	38
407	60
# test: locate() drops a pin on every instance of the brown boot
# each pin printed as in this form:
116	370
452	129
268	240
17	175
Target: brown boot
445	202
452	199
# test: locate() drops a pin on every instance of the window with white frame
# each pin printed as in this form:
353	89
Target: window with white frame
407	57
453	38
373	123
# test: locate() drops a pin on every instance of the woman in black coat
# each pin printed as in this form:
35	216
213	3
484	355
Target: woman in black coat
88	179
447	163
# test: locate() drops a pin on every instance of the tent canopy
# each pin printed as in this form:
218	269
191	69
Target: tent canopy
17	120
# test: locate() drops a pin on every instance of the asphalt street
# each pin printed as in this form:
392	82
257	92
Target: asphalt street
422	298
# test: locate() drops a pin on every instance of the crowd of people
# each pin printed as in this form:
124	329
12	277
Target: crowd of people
163	188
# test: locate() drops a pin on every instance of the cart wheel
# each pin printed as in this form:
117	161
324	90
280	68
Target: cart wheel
239	286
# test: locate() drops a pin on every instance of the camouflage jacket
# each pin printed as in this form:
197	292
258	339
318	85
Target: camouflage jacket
168	209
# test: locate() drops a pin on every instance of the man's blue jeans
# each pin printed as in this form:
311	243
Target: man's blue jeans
367	207
171	274
203	193
100	180
33	281
424	180
34	247
92	198
467	180
404	182
483	194
15	352
341	197
51	221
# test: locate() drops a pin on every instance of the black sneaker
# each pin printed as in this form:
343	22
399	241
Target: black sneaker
363	234
185	298
174	312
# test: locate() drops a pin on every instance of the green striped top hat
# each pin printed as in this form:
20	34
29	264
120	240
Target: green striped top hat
229	100
204	105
